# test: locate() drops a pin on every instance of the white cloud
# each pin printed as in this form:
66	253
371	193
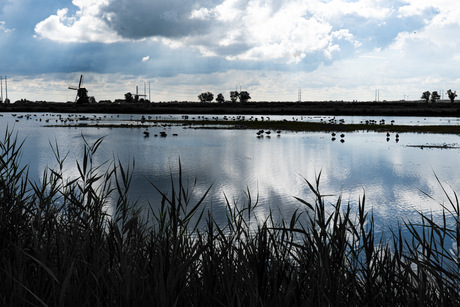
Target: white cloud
3	27
83	27
368	9
446	11
286	31
415	7
201	14
346	35
439	36
229	10
145	59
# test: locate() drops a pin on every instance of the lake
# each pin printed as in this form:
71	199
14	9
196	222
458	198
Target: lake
396	175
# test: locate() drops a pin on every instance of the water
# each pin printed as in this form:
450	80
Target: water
393	176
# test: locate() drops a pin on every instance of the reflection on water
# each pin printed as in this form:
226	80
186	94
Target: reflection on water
393	176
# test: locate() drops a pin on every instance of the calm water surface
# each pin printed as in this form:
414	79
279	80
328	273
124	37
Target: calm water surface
393	176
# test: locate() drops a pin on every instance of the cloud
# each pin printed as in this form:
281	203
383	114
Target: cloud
437	39
3	27
202	14
261	31
272	46
84	26
233	29
137	19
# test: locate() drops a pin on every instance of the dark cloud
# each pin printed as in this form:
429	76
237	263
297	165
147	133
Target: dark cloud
136	19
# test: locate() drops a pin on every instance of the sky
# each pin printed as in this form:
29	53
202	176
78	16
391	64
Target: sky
274	49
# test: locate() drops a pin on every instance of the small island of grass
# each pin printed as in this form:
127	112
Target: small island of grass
274	125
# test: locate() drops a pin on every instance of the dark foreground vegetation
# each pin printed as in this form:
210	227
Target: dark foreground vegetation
59	247
370	108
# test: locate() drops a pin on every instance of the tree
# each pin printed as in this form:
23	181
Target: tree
452	95
210	96
129	97
234	96
220	98
435	96
426	96
206	97
244	96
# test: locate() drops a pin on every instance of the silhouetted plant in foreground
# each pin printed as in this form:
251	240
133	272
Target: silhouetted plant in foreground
59	246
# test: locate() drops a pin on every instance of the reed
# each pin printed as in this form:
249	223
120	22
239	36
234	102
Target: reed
61	247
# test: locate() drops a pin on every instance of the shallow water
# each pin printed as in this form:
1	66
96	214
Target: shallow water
393	176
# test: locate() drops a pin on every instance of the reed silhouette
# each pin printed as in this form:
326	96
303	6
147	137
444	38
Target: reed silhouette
82	241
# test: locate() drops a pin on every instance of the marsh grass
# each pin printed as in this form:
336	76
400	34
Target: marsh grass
60	247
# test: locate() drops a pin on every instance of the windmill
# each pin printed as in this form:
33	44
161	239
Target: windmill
82	93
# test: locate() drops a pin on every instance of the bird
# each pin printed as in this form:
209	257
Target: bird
342	135
388	134
333	134
146	133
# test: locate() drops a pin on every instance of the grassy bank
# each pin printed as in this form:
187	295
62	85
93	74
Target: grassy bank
59	247
364	108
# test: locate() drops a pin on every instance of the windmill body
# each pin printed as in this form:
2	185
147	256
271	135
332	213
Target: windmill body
82	93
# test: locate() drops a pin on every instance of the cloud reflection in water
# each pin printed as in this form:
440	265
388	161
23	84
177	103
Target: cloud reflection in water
392	175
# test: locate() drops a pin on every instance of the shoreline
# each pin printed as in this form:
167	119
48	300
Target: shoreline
333	108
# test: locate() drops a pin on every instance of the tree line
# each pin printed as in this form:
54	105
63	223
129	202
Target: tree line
242	96
434	97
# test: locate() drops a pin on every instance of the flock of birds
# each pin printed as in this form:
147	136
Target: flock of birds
59	118
396	137
73	118
162	134
267	133
342	137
